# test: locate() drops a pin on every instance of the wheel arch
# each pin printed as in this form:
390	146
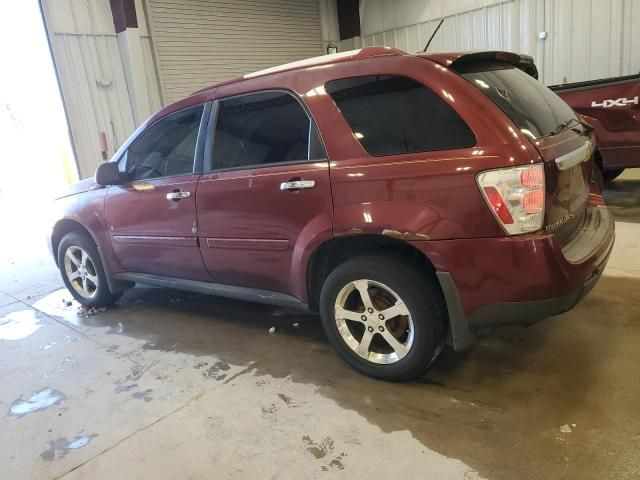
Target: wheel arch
63	227
67	225
333	252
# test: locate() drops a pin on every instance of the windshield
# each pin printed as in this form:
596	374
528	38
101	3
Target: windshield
535	109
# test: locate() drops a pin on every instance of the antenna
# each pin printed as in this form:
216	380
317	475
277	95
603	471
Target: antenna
433	35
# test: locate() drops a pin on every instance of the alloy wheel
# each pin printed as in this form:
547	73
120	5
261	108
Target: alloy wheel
373	321
81	272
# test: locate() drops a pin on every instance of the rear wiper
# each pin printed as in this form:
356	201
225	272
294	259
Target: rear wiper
587	126
566	123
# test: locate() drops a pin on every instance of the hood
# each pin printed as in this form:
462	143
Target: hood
78	187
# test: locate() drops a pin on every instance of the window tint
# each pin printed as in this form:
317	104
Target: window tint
263	128
535	109
166	148
392	115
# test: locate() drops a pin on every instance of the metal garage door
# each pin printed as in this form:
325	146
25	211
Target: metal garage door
199	42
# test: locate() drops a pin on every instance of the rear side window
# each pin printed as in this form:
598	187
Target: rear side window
167	148
262	129
535	109
391	115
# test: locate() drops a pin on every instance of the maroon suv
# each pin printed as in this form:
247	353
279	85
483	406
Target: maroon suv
410	199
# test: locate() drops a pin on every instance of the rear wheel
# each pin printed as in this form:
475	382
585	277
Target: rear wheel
82	271
383	317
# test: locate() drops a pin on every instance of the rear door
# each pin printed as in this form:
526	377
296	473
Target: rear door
265	186
152	218
553	127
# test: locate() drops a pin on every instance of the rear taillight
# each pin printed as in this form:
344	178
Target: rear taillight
516	196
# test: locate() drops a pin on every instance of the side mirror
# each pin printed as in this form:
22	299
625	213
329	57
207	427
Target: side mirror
108	174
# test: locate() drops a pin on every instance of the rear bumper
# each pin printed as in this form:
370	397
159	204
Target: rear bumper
530	311
520	280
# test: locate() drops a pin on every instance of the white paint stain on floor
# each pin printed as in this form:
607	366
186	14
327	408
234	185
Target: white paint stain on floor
59	448
79	442
38	401
59	304
18	325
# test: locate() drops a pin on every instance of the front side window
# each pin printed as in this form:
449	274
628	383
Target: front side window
392	115
167	148
261	129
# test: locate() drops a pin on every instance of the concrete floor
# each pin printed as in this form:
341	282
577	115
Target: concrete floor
174	385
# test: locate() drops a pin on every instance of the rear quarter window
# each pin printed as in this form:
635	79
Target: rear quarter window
392	115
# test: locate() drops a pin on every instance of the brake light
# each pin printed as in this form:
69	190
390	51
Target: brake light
532	178
533	201
516	196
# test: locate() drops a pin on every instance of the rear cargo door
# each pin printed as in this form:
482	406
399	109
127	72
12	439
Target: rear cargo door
552	126
569	168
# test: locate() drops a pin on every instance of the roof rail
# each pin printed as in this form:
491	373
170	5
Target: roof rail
366	52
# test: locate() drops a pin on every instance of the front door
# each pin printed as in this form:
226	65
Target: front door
152	218
266	192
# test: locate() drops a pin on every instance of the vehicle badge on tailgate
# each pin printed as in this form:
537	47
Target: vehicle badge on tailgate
557	223
619	102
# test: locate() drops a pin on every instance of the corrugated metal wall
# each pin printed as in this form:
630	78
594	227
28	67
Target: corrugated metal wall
495	26
586	39
92	79
591	39
199	42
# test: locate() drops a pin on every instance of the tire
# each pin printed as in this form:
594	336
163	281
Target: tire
418	328
611	175
82	271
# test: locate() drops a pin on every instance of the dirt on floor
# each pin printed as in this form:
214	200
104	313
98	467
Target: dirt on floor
176	385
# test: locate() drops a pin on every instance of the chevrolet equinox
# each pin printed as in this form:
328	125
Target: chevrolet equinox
410	199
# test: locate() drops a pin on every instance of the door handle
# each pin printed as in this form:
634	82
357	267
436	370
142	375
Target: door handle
295	185
178	195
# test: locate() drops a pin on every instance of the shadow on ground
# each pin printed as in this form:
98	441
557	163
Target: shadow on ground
510	392
623	199
499	407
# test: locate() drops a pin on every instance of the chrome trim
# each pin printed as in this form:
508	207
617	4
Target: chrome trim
575	157
178	195
149	237
297	185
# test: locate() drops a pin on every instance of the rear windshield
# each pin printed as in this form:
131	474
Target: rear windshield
535	109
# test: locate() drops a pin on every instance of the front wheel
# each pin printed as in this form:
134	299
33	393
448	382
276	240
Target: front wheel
383	317
82	271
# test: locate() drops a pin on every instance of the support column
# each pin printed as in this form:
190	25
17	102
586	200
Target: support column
126	24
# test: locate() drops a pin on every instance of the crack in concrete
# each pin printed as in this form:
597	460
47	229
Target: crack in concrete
247	369
133	434
65	324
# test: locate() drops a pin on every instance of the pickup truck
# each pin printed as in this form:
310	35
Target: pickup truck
612	107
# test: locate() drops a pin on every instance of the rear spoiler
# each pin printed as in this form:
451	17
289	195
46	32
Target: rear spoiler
518	60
